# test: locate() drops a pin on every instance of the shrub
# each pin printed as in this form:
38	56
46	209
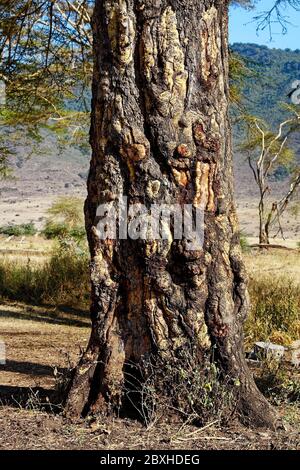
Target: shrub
68	210
54	230
277	383
244	242
19	230
62	279
65	220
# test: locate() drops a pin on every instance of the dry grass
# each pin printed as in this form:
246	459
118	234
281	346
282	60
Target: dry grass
275	296
275	262
22	244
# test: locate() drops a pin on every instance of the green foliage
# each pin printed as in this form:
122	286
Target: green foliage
46	66
69	209
244	242
19	230
65	220
238	73
54	230
61	279
270	154
275	310
5	153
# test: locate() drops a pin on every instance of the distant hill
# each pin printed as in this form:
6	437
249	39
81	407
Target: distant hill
274	70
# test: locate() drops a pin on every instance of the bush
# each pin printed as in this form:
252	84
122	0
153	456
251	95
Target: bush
65	220
62	279
68	210
19	230
54	230
277	383
244	242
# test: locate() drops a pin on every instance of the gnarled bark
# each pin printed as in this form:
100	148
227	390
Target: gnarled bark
160	134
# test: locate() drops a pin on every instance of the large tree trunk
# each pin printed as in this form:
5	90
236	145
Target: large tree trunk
160	134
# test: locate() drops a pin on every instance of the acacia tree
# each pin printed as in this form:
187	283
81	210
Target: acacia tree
266	151
160	133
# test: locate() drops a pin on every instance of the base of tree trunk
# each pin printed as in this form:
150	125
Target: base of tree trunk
89	395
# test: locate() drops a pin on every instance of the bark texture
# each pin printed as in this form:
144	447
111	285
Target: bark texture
160	133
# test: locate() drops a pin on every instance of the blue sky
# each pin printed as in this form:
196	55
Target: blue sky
242	29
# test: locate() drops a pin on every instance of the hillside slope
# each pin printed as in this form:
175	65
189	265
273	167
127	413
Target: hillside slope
272	72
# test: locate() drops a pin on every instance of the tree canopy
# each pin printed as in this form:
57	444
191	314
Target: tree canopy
45	69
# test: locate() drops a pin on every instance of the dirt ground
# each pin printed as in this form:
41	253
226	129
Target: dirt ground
40	344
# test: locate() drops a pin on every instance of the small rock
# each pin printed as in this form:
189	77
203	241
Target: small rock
264	350
83	176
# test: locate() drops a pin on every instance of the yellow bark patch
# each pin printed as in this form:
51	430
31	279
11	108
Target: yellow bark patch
172	92
121	31
134	152
153	188
209	43
204	196
149	51
181	177
135	148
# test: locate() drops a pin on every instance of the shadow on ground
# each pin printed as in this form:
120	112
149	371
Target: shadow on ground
29	368
38	398
54	318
